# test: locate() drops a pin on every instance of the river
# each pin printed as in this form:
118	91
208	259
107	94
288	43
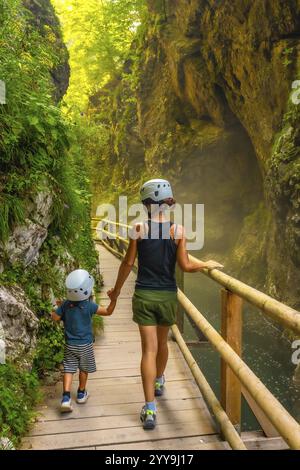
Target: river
265	350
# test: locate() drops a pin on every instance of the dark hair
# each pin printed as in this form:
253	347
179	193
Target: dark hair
149	202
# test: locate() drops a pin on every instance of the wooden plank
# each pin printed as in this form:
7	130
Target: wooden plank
262	443
53	414
186	443
99	383
101	395
106	436
174	367
232	333
123	421
261	417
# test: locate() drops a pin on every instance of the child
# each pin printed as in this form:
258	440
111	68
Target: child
154	302
76	313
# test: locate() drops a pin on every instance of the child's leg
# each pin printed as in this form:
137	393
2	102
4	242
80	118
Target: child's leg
148	362
83	376
66	405
67	382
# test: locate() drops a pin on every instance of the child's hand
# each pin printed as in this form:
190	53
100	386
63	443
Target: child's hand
213	264
113	294
58	302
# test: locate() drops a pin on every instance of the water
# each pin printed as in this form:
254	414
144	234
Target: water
265	351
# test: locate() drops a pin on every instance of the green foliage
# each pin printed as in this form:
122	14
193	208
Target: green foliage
19	392
99	35
97	325
50	347
104	41
33	134
38	147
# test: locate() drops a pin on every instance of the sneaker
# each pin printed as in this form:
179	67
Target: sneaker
159	388
148	418
82	397
66	404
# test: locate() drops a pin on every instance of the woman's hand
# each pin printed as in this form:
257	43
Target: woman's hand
212	265
113	294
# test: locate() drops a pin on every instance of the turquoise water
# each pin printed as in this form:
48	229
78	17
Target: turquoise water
265	351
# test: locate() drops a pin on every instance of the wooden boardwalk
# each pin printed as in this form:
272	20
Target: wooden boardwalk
110	418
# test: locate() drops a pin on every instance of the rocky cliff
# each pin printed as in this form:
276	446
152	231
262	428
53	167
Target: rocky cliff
213	113
44	19
20	251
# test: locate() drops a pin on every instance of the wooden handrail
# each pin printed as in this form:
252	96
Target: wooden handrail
118	224
276	310
286	425
227	428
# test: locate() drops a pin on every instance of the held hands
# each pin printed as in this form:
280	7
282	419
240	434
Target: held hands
213	265
113	294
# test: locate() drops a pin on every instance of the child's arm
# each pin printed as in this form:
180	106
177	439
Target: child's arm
106	311
54	315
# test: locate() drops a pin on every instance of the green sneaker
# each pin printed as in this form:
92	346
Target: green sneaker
148	418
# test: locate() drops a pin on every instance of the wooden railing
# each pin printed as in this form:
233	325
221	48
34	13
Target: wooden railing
236	377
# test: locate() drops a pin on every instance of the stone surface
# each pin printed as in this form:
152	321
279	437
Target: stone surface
19	324
44	15
26	240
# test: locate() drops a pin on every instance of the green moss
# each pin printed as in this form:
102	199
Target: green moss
249	258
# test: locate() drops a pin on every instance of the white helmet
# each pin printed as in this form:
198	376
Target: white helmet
157	190
79	284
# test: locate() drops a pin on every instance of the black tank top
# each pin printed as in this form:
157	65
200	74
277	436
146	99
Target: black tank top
157	258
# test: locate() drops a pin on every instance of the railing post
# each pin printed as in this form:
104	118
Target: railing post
231	394
180	310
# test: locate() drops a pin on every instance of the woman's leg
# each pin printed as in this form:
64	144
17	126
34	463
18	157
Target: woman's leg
162	350
148	362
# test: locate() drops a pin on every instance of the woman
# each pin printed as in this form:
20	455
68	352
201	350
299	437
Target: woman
159	244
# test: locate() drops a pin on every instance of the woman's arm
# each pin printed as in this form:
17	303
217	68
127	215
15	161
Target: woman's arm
124	270
192	266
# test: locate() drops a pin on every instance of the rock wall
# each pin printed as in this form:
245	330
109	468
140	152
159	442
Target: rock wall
213	114
26	240
18	322
43	14
231	65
